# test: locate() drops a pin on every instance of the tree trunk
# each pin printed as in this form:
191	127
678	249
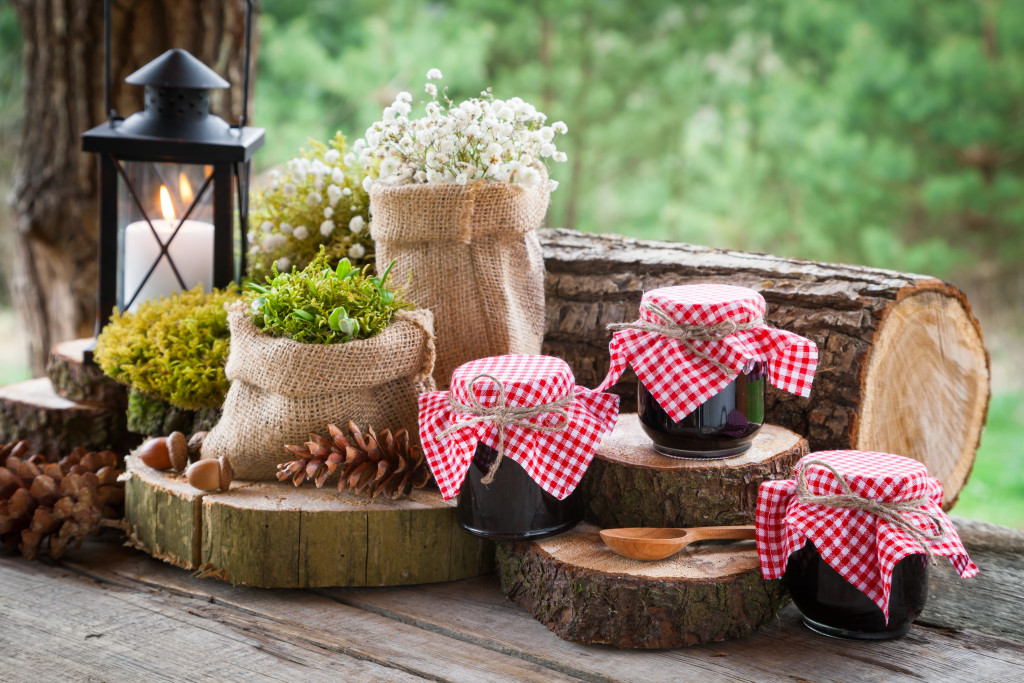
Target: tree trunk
54	279
902	366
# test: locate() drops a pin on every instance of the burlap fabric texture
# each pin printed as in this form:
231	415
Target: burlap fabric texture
282	390
470	254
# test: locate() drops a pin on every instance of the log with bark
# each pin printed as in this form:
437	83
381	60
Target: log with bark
583	592
902	365
630	484
54	281
77	380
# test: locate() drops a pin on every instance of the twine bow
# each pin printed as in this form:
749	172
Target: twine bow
687	334
891	512
502	415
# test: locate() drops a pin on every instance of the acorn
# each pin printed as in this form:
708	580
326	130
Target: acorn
210	475
165	452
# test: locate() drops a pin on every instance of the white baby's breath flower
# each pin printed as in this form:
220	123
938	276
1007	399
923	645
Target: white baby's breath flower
528	175
313	199
250	236
357	224
328	212
318	184
551	185
289	189
286	228
266	226
367	183
434	75
326	228
461	178
547	149
403	97
333	194
560	157
301	232
345	192
283	264
430	89
331	156
337	176
560	127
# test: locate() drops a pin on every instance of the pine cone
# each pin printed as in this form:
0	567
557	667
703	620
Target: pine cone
57	503
374	464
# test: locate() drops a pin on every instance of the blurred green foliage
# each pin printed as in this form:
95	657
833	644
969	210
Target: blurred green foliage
884	133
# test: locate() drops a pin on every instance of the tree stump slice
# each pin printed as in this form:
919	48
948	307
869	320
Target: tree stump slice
77	380
583	592
902	368
53	425
630	484
274	535
150	416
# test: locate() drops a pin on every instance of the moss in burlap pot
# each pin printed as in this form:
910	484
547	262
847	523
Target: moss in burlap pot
470	254
282	390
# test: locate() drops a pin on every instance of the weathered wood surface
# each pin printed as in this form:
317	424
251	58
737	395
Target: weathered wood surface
53	425
76	380
111	613
902	365
272	534
707	592
630	484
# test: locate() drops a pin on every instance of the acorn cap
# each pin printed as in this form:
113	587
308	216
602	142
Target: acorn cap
177	449
226	473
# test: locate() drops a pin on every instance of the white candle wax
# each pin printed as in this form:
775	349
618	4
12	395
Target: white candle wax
191	251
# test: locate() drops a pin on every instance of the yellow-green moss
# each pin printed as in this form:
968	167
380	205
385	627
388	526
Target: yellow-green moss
172	348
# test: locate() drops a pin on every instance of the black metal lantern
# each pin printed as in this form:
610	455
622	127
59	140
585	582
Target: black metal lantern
168	180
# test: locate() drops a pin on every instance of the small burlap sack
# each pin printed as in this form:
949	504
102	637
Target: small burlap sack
474	260
282	390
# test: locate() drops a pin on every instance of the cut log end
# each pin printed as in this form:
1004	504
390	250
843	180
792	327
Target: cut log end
926	388
583	592
76	380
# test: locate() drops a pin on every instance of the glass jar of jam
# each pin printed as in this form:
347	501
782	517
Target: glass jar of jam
724	425
832	606
512	507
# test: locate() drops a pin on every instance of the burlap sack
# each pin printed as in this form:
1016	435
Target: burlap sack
474	260
282	390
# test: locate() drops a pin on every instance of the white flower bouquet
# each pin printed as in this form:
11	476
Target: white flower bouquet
318	200
479	139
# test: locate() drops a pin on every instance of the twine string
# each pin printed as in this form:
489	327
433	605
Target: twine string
891	512
502	415
687	334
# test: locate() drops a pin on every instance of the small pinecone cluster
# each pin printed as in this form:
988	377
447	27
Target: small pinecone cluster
383	464
55	505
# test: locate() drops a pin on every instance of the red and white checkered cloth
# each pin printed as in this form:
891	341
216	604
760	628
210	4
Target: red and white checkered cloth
858	544
681	381
556	460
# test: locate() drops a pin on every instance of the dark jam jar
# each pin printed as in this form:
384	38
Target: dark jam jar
832	606
722	426
512	507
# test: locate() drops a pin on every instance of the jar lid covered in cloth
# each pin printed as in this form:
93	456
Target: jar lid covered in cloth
693	340
863	511
526	407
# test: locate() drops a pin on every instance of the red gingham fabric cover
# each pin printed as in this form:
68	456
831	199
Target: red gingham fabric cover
679	381
859	545
555	460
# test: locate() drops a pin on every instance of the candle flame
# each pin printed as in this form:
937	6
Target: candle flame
166	207
185	188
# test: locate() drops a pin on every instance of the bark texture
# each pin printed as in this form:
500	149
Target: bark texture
629	484
54	281
583	592
867	324
76	380
274	535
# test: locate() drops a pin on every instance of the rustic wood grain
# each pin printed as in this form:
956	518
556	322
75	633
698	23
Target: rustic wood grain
76	380
272	534
53	425
630	484
583	592
924	399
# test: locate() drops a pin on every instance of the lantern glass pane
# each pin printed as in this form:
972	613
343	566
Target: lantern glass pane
152	205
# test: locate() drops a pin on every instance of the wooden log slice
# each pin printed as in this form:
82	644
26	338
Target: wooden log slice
53	425
583	592
630	484
77	380
902	365
274	535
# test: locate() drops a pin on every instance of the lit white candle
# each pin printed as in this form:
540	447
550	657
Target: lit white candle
191	251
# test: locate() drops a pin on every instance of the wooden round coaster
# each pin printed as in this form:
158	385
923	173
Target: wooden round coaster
273	535
583	592
630	484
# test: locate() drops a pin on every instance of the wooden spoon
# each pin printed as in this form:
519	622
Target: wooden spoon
653	543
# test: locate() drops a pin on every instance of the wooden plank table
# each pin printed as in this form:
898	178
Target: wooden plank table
110	613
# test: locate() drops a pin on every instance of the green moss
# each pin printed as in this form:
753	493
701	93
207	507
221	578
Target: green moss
173	348
323	305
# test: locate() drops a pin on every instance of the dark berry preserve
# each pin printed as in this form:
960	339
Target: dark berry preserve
723	425
512	507
831	605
